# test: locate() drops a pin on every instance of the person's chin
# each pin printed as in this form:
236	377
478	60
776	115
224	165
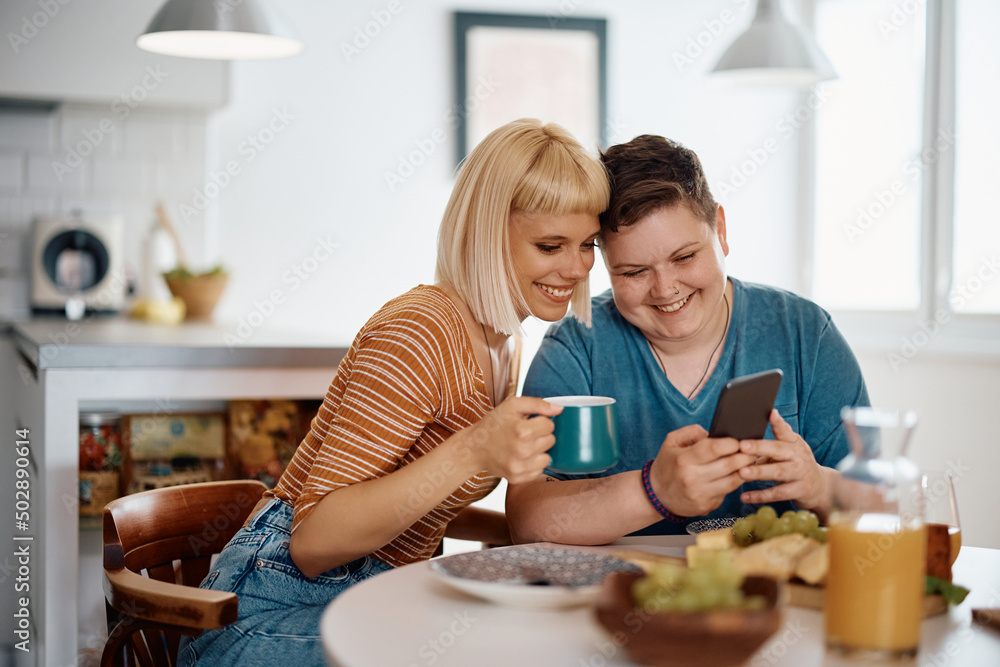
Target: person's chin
552	314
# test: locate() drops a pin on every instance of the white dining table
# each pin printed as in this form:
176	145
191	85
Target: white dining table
409	617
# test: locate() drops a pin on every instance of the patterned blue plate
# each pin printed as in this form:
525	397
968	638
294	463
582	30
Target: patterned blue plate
701	526
530	576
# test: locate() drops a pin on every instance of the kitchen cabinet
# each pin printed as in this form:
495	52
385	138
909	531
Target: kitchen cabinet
58	50
60	368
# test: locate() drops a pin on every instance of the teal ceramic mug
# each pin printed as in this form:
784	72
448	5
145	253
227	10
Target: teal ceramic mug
586	436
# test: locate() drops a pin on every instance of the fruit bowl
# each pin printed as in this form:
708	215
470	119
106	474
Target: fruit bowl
200	293
718	638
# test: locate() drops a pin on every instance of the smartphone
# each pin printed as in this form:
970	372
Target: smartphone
745	405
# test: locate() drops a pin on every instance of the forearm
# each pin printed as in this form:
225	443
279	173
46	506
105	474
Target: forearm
586	511
358	519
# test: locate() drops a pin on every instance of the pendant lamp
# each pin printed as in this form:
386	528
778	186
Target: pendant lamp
219	29
773	52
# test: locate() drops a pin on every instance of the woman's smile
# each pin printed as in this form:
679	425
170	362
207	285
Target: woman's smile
675	306
557	294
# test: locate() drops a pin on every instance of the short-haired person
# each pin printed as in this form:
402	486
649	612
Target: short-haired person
672	331
419	421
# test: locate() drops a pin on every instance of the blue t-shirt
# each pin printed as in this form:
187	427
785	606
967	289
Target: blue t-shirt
770	328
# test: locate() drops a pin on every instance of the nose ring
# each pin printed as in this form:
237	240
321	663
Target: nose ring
677	290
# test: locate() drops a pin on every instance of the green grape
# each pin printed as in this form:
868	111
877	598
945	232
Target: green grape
760	530
733	598
811	520
644	590
713	597
800	524
687	600
701	578
788	514
766	516
669	576
818	534
743	531
713	584
730	578
782	526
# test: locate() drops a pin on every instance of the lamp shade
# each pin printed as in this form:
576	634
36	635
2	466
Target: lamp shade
775	52
220	29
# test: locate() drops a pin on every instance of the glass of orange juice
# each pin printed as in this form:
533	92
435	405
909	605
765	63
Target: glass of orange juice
877	541
941	506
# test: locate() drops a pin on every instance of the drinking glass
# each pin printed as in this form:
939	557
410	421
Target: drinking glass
941	506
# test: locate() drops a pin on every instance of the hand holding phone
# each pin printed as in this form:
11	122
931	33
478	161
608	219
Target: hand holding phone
745	405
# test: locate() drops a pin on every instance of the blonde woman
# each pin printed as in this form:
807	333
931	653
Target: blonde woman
419	421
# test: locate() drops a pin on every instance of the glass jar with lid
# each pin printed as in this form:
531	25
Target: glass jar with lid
100	460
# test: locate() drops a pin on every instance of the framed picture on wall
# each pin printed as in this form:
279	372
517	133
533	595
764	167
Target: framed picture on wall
510	66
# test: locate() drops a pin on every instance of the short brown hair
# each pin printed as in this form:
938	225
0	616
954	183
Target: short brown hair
650	173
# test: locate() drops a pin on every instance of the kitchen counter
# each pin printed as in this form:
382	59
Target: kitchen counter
53	370
117	342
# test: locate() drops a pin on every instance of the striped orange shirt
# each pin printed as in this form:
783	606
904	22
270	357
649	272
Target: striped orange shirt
409	381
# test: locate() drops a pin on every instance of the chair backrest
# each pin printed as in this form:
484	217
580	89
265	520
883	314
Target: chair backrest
169	535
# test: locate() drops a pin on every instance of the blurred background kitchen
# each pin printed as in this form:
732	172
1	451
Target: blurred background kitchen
317	181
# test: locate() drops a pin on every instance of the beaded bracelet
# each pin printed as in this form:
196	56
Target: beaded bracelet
648	486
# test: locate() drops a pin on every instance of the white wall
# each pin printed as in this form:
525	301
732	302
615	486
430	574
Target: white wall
324	175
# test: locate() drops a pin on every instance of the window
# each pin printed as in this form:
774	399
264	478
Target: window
868	169
906	156
976	251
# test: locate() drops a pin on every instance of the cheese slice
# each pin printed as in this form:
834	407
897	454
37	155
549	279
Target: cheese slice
715	539
777	557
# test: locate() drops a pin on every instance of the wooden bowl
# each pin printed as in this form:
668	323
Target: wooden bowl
717	638
199	293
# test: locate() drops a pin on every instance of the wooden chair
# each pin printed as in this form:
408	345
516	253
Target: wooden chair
171	534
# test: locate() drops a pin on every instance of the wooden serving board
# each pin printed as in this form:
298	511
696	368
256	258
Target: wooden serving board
811	597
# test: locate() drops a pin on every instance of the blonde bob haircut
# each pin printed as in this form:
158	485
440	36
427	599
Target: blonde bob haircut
523	166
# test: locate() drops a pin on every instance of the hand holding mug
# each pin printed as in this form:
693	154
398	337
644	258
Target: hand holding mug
511	440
